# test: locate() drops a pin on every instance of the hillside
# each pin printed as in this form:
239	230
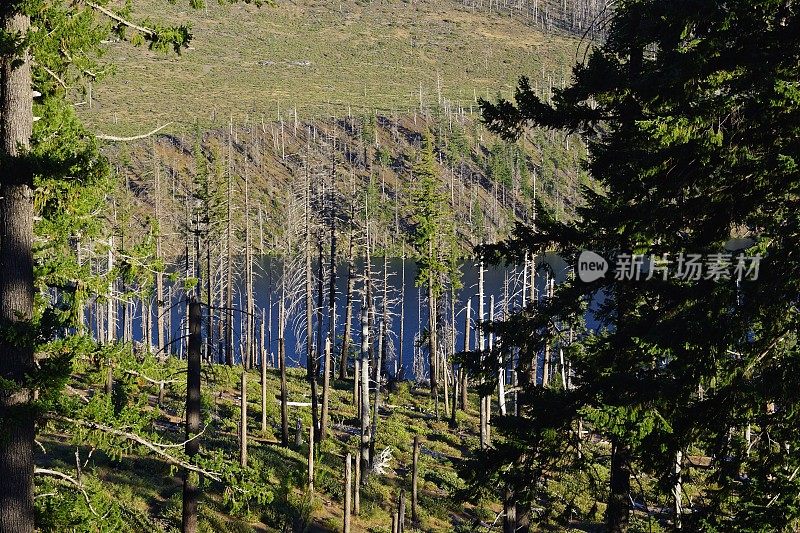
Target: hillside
322	59
136	490
354	85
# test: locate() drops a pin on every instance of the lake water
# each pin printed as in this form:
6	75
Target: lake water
504	284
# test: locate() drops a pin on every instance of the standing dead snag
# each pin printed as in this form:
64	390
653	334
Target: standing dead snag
401	512
467	347
414	482
326	386
348	491
311	459
364	400
357	488
243	423
190	486
263	385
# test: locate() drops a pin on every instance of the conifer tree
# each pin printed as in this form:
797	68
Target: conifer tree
690	113
46	47
432	237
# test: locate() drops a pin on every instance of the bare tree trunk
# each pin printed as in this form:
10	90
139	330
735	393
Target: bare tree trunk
311	460
263	368
415	481
484	414
677	491
364	392
16	277
467	347
160	304
401	346
320	301
282	362
191	489
243	423
248	357
110	314
384	336
433	351
229	278
401	512
326	387
377	397
348	310
357	488
310	355
348	492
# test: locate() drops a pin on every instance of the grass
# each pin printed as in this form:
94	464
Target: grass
322	58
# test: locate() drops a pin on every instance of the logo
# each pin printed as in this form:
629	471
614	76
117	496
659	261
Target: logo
591	266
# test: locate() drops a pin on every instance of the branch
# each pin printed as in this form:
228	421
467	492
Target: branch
155	448
114	16
69	479
134	138
151	380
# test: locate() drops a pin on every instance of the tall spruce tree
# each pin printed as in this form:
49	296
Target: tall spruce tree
432	236
50	171
691	113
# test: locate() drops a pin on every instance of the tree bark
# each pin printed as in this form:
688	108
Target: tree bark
348	310
229	260
282	362
16	279
243	423
618	510
326	390
467	347
190	486
348	492
415	481
364	392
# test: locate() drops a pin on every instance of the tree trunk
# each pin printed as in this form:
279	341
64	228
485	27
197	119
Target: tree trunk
160	304
111	330
311	373
229	274
348	492
433	352
618	509
248	355
311	460
348	310
677	491
243	423
467	347
415	481
326	389
16	279
484	414
282	362
364	392
190	486
263	368
377	397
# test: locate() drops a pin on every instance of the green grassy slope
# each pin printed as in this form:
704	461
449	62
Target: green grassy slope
322	58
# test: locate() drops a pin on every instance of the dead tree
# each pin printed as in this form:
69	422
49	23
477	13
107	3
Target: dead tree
364	392
415	481
326	386
243	423
348	492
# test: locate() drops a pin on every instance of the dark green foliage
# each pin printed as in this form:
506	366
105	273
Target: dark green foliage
691	115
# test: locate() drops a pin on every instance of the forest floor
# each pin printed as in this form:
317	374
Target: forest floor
148	489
